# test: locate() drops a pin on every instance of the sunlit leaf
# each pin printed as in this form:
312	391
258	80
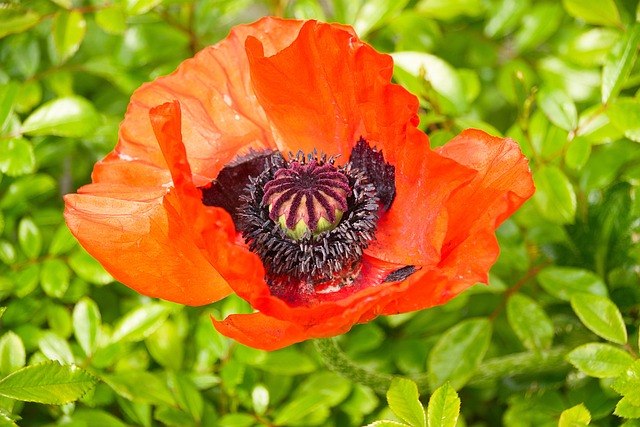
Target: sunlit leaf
601	316
49	382
71	116
444	407
600	360
402	397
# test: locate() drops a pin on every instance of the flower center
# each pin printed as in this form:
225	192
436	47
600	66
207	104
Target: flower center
307	198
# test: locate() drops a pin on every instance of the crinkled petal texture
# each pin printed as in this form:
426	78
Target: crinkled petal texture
289	86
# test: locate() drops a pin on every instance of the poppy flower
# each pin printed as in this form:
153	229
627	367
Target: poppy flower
283	165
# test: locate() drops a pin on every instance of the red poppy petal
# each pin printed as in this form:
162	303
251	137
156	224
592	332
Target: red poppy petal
502	185
220	115
212	228
259	331
143	243
327	89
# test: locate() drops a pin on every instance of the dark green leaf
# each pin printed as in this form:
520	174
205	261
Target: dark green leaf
619	63
600	360
86	325
555	196
48	382
403	399
12	353
598	12
69	28
530	322
444	407
564	282
71	116
601	316
576	416
458	352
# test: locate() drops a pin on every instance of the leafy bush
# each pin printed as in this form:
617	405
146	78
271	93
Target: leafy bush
552	341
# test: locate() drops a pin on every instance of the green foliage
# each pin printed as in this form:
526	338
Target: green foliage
553	340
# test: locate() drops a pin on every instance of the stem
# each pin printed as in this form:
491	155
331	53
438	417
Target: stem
489	371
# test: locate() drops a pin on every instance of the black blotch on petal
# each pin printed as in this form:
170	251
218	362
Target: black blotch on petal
381	174
400	274
226	189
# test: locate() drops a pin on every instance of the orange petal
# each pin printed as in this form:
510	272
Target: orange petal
144	244
212	228
259	331
220	114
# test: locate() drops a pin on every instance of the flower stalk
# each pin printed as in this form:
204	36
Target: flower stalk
489	371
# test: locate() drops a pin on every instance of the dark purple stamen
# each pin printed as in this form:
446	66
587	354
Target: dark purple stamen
307	192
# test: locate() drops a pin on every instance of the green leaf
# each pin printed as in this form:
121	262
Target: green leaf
71	116
166	346
626	409
237	420
601	316
444	407
12	353
387	423
625	116
578	152
441	76
403	399
111	19
447	9
141	322
554	196
139	7
8	94
69	28
564	282
530	322
141	387
298	409
16	157
85	266
17	20
30	238
559	108
576	416
55	348
628	383
95	417
619	62
54	278
7	252
598	12
600	360
187	395
457	353
374	12
86	325
49	383
62	241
